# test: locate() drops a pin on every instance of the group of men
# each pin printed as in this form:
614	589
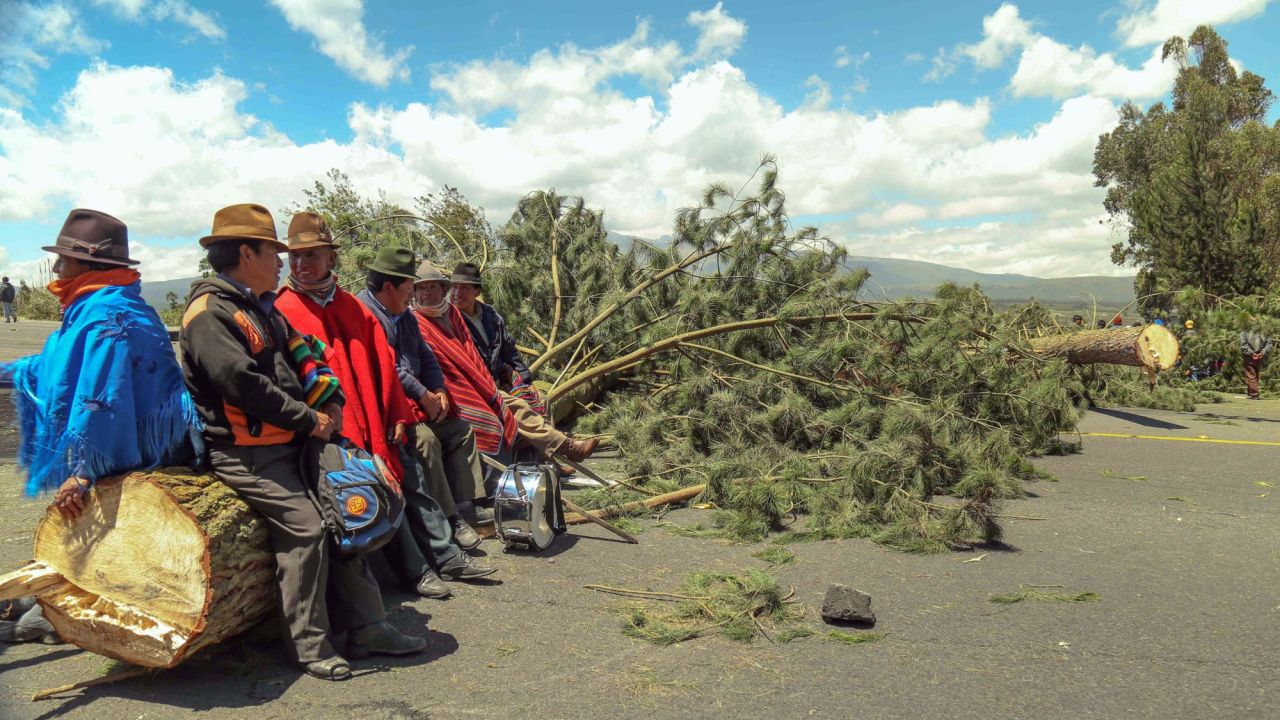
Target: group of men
426	388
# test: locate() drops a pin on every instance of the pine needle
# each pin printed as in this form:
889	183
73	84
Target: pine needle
855	638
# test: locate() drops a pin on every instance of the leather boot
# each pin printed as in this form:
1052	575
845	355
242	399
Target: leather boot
431	586
463	567
463	534
381	638
578	450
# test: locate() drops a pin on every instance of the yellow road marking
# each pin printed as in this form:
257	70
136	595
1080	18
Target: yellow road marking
1182	439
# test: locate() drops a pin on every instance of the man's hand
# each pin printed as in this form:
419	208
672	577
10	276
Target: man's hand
397	434
334	411
430	403
70	497
323	428
444	404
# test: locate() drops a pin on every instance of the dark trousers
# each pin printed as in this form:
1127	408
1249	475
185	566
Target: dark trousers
1252	368
269	480
425	539
446	450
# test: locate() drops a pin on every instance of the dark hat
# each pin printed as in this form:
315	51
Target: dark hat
94	237
394	261
309	230
246	221
429	272
466	274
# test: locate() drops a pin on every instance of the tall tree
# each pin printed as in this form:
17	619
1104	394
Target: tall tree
1196	185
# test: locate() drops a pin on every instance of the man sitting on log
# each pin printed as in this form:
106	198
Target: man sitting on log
105	396
495	416
254	408
377	415
510	373
442	438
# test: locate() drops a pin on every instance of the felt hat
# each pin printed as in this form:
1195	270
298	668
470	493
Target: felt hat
246	221
309	230
394	261
466	274
428	272
94	237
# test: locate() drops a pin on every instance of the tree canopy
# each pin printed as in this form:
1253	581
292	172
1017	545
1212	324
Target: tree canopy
1196	184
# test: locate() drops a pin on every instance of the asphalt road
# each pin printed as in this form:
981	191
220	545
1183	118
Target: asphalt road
1178	537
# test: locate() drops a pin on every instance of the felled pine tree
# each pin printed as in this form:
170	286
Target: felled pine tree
753	367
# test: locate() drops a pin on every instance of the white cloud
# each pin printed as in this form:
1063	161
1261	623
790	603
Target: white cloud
30	35
1053	69
1049	68
178	11
1003	32
340	34
552	76
1151	23
182	150
164	155
719	34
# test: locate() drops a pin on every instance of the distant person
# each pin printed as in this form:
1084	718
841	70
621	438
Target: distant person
1254	345
1102	325
1117	322
7	295
1189	329
1077	321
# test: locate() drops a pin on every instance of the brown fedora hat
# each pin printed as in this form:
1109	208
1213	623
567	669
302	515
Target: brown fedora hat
94	237
246	221
309	230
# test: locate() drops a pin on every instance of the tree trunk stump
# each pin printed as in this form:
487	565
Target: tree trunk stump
159	565
1152	347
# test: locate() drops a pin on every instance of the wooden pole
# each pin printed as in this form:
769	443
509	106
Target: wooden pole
592	518
680	495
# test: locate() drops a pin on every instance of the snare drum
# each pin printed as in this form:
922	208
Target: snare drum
526	506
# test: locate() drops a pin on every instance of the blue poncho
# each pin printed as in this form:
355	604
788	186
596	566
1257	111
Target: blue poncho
105	396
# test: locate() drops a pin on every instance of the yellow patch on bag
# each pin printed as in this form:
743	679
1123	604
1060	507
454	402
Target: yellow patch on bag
356	505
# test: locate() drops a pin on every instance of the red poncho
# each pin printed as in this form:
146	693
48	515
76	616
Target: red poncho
365	365
470	386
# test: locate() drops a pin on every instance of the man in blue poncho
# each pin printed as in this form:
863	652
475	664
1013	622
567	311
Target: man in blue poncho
106	395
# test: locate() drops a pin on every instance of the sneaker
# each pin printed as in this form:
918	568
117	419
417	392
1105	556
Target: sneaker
463	534
464	567
431	586
381	638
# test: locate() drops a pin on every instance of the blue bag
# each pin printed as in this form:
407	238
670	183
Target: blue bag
360	505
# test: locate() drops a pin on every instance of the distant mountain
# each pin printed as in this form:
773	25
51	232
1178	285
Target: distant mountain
154	292
890	278
894	278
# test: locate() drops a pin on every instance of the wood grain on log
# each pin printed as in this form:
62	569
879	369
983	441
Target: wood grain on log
159	565
1152	346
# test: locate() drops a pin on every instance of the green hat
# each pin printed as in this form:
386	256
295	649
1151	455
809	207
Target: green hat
394	261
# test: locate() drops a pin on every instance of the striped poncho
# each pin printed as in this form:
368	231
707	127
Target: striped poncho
470	386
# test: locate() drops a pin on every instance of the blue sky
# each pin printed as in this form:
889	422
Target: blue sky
959	133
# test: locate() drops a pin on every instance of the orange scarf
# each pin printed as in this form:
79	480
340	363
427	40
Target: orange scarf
68	290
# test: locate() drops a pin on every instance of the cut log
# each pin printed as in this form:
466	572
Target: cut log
1152	347
159	565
